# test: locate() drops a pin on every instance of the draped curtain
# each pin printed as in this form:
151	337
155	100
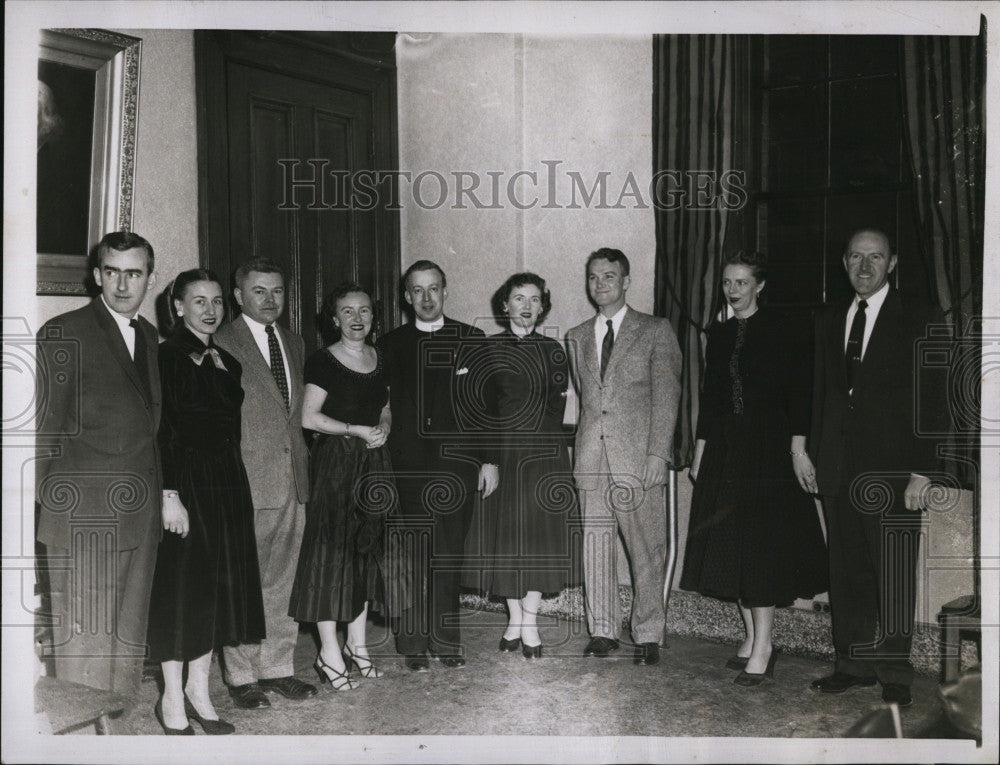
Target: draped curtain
699	91
944	113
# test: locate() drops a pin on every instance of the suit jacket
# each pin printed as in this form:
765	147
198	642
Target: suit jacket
273	445
632	413
875	430
98	461
436	405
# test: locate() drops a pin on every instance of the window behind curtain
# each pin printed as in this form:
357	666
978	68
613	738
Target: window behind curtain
832	159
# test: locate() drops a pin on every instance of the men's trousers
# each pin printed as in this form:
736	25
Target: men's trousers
279	537
99	597
873	567
619	505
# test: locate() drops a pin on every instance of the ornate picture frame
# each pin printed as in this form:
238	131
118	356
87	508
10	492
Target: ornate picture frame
102	200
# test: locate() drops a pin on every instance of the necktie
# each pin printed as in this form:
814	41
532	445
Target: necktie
277	365
854	343
139	356
607	346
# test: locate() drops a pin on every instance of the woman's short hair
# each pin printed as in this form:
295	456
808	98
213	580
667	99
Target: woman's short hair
502	295
329	309
178	289
755	261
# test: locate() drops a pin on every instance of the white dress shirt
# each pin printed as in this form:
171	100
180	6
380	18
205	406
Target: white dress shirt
871	314
259	332
128	332
601	328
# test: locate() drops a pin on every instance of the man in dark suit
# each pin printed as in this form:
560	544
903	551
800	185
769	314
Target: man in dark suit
431	363
97	478
627	368
873	469
277	463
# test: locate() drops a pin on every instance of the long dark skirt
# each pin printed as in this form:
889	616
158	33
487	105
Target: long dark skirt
343	561
206	589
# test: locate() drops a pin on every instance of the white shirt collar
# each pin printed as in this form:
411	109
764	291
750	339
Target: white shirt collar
123	322
255	326
432	326
601	321
874	301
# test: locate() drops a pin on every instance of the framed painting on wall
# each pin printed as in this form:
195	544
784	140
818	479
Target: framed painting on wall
88	98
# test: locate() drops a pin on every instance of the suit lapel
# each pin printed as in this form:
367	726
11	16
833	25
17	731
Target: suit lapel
881	333
835	340
116	345
256	365
294	370
589	351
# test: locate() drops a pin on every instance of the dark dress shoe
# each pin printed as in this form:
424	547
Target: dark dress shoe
750	679
509	646
737	662
158	711
211	727
531	651
839	682
647	654
417	662
896	693
600	647
449	660
289	687
249	696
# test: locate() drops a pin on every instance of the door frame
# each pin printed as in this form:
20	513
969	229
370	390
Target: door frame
349	60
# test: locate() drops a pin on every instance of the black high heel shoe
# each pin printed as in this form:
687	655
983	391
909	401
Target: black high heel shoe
368	670
509	646
211	727
158	711
531	651
750	679
339	681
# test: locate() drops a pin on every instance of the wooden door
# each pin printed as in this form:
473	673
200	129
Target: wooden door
284	116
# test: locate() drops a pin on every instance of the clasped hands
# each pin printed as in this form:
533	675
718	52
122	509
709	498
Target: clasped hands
373	436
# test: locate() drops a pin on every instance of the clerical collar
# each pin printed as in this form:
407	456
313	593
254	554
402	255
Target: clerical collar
432	326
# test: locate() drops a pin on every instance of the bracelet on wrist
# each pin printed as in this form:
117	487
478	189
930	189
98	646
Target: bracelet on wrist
799	454
169	494
348	431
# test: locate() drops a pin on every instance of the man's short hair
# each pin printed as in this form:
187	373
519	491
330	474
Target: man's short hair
120	241
261	266
424	265
869	230
612	256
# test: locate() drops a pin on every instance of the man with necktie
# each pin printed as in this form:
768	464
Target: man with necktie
626	366
97	476
431	364
277	463
872	467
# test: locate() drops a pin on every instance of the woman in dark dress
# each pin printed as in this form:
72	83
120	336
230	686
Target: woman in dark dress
206	588
523	543
754	535
342	561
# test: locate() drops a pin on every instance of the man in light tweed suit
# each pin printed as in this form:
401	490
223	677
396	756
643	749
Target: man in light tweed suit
277	462
626	367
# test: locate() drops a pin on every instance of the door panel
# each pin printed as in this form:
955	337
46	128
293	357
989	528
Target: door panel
265	99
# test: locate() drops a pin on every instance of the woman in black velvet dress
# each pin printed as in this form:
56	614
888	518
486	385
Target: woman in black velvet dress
341	564
754	535
522	544
206	588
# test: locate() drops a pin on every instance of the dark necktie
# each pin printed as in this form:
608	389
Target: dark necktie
607	346
139	356
855	341
277	365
